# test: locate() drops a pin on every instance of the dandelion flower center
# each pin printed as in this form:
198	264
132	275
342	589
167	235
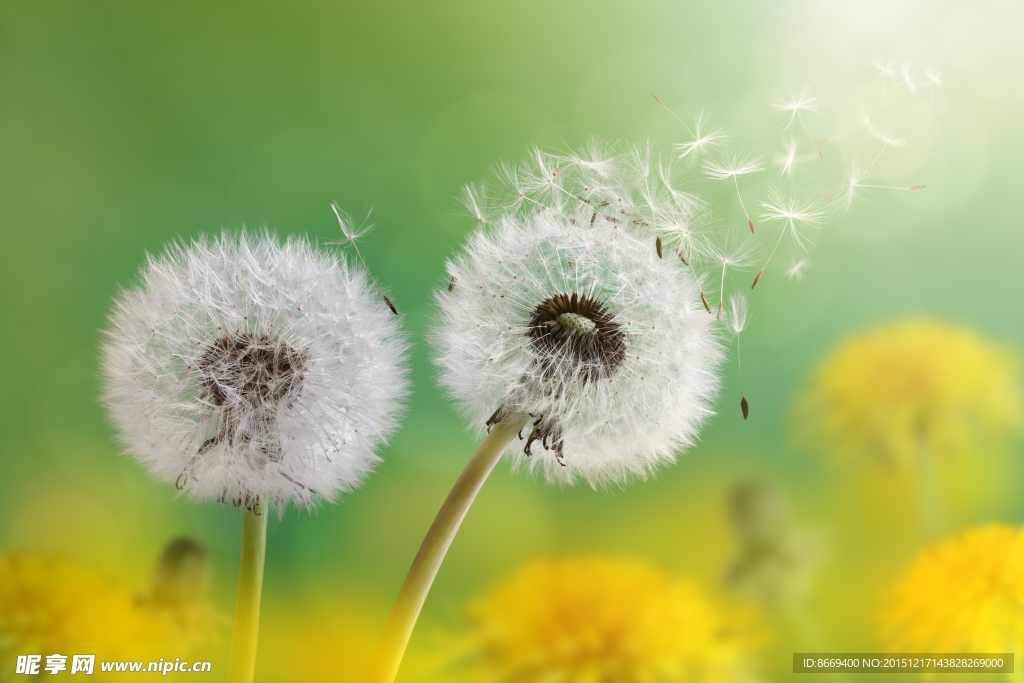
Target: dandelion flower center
579	331
259	371
577	322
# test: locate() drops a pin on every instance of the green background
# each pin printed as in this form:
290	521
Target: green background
124	125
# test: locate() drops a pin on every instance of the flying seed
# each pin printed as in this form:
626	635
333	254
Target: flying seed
682	257
705	300
756	278
387	300
745	407
915	188
751	224
657	99
657	245
451	283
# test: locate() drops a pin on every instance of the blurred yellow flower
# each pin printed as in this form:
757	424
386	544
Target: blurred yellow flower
54	606
963	594
602	620
914	388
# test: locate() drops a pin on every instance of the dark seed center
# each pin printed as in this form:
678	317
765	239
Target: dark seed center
578	330
257	371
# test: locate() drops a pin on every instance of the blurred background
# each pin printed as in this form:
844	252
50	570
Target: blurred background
126	125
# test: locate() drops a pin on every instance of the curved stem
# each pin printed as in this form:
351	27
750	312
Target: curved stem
246	629
393	641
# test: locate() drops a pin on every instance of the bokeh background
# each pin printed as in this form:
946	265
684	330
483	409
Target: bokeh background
125	125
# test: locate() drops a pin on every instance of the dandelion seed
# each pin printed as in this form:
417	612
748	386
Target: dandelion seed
704	139
886	69
787	160
886	138
796	270
907	80
352	233
793	107
934	77
736	320
675	115
474	200
792	215
733	167
735	254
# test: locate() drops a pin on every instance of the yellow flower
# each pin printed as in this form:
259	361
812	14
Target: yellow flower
962	595
53	606
601	620
913	387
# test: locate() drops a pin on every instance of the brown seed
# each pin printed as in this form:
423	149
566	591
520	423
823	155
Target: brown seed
682	257
818	150
720	305
657	246
705	300
451	283
756	278
657	99
558	171
915	188
822	142
387	300
745	407
751	224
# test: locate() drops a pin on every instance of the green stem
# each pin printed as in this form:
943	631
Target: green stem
245	633
393	641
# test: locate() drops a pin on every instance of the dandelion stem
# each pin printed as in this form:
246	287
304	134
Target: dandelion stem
777	243
393	641
879	156
245	632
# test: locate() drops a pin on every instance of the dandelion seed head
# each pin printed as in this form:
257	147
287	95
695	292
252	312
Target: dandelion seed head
243	368
569	315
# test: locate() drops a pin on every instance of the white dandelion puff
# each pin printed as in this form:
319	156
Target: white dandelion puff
586	331
245	369
793	216
734	166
